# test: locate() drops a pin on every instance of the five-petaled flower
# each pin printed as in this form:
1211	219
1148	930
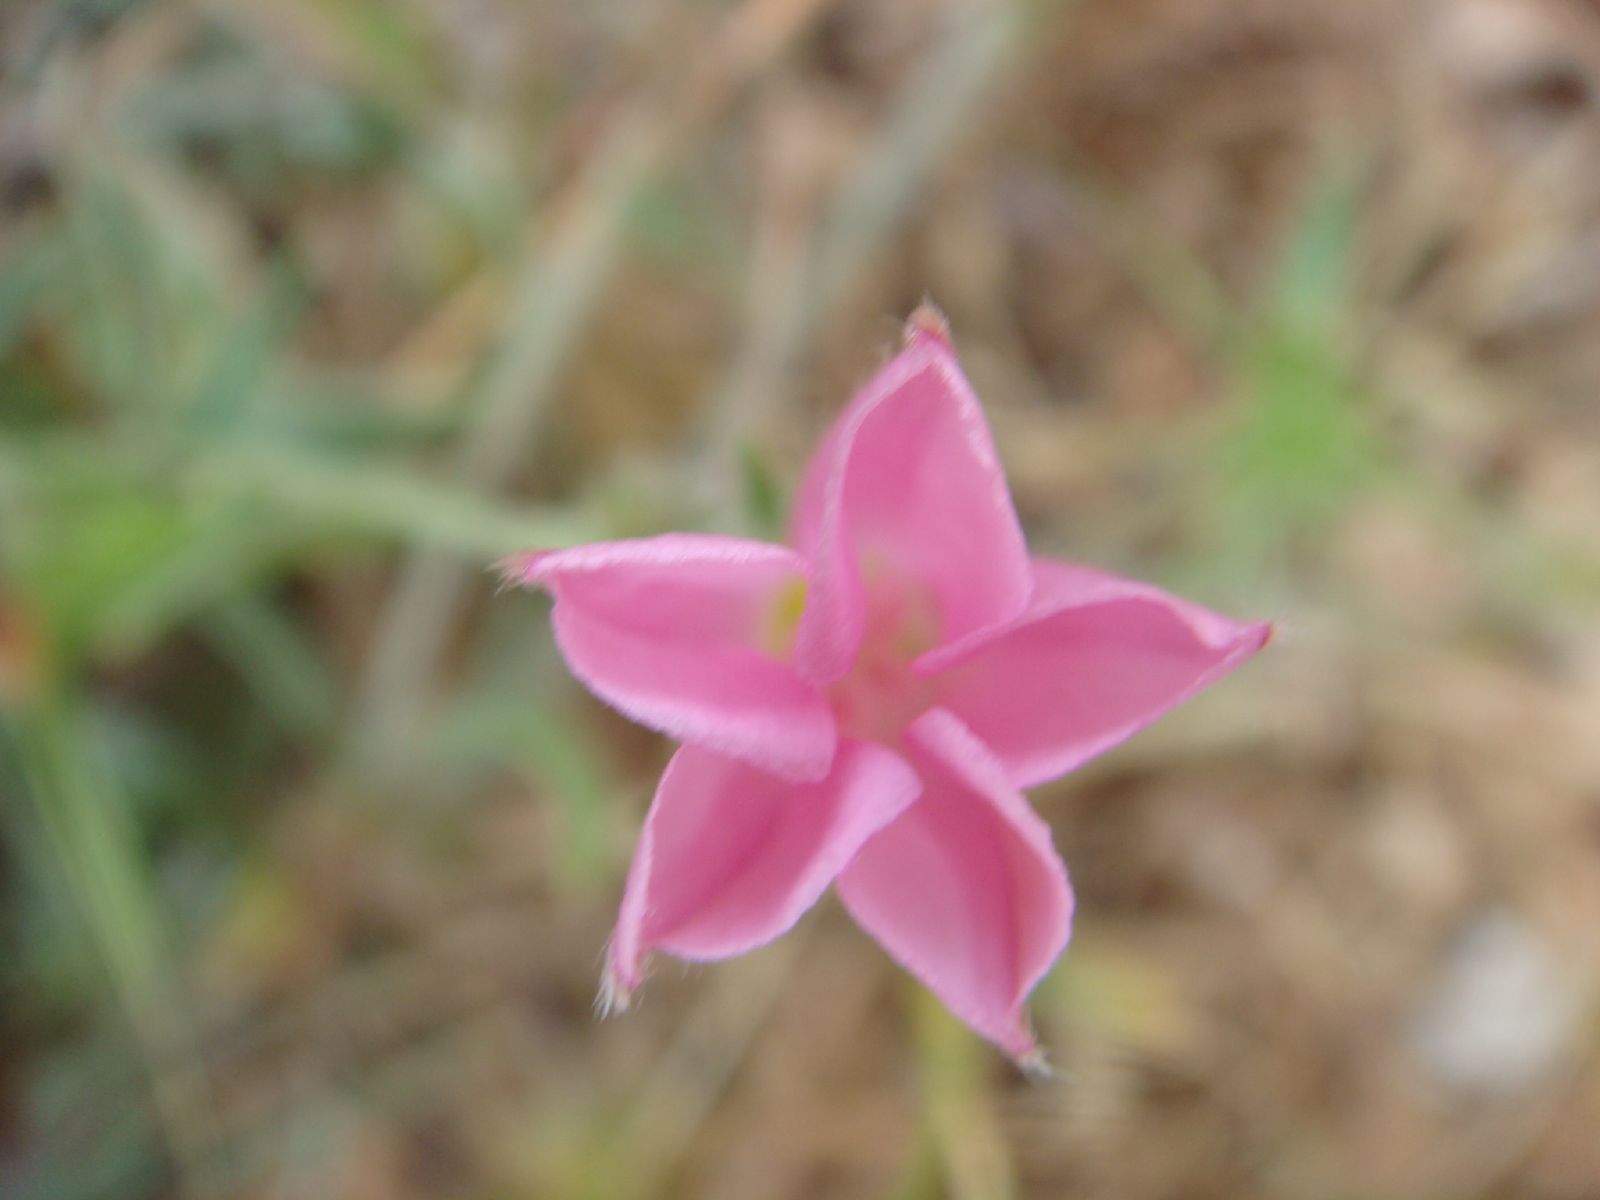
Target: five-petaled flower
861	707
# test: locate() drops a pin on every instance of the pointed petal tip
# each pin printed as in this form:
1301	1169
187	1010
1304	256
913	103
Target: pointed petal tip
1034	1063
926	320
616	994
1022	1047
1255	636
517	570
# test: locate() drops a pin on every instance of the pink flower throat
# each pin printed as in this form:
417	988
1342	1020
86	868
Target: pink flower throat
882	695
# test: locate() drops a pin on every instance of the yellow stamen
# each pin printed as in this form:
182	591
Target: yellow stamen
783	619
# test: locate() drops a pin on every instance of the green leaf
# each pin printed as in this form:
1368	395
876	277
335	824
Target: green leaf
1302	439
1311	289
246	354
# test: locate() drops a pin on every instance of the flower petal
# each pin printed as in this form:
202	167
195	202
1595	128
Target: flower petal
965	889
907	486
685	633
1095	659
731	857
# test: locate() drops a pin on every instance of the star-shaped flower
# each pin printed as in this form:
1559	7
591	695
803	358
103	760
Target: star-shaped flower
861	707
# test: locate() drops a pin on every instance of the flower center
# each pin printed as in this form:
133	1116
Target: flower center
881	696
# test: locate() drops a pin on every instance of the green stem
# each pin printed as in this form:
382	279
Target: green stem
89	828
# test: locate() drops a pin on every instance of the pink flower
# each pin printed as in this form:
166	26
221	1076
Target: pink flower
861	707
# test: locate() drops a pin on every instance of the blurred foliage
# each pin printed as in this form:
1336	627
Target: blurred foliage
1303	443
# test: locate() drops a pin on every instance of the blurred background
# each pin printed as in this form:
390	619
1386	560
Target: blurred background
311	309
